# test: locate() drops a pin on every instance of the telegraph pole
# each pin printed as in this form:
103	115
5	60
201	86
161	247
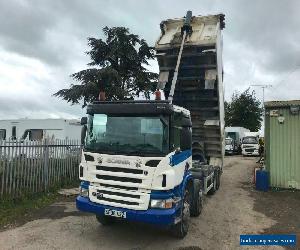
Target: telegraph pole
263	86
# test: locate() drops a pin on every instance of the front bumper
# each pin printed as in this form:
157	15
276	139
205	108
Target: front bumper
229	152
162	217
254	153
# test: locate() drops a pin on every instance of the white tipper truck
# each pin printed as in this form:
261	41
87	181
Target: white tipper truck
151	161
250	144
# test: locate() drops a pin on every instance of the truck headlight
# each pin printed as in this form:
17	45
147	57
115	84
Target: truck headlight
84	192
164	204
84	189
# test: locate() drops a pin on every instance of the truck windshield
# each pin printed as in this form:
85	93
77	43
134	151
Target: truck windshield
250	140
232	135
228	142
130	135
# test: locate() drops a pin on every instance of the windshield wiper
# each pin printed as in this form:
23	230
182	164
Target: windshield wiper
146	146
142	153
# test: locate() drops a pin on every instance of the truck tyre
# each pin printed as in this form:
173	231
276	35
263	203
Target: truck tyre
105	220
214	187
180	229
196	199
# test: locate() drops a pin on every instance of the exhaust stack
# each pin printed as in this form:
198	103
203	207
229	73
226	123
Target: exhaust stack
102	97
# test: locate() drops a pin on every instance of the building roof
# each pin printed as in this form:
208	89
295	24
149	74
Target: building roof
279	104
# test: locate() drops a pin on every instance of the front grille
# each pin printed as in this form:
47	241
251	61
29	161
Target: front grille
152	163
88	157
249	149
119	194
119	201
117	178
122	185
123	170
118	187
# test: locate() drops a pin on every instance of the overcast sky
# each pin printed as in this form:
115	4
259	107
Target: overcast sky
42	42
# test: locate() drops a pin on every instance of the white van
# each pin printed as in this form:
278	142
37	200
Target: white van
229	146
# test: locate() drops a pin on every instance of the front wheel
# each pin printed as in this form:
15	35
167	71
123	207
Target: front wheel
180	229
196	199
105	220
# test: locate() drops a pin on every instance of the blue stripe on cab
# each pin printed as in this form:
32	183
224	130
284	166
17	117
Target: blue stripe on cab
175	159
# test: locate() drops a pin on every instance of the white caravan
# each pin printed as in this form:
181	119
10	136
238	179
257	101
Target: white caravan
250	144
39	129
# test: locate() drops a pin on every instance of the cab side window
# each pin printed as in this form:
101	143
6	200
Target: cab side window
176	131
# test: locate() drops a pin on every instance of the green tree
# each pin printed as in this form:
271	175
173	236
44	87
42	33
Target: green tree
117	67
244	110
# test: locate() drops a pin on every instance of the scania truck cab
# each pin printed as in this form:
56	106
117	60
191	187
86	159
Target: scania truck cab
137	165
151	161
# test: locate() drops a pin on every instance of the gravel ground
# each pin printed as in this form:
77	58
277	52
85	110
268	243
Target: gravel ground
235	209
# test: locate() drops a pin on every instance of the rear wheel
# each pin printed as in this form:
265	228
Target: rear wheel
214	187
180	229
105	220
196	199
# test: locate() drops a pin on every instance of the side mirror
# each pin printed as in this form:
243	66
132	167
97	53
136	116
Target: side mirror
83	134
83	120
186	122
177	150
186	138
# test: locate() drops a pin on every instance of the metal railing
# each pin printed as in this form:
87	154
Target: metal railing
28	167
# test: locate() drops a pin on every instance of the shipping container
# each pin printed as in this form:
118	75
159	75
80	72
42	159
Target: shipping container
282	143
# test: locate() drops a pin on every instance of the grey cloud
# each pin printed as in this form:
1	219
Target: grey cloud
270	29
42	107
47	29
68	22
23	30
10	105
260	36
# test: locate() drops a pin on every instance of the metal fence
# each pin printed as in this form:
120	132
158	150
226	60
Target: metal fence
34	166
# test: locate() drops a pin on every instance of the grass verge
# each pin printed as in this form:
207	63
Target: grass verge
13	210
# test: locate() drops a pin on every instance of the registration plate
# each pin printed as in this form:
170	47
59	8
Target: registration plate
115	213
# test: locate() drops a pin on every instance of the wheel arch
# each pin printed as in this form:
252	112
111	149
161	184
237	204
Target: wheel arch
187	183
